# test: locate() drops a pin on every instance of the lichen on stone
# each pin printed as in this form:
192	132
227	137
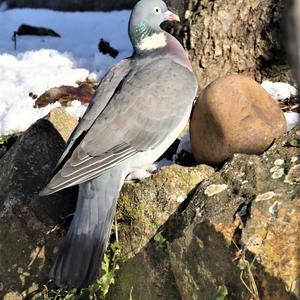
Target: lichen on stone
294	159
214	189
279	162
265	196
278	173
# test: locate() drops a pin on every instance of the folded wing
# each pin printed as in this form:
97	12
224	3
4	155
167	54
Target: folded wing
138	117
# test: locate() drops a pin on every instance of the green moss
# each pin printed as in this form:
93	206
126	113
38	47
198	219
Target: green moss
270	258
262	232
97	290
4	139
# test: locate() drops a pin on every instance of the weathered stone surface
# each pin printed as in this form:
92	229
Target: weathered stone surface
234	114
272	232
246	213
29	232
62	121
237	230
31	226
144	206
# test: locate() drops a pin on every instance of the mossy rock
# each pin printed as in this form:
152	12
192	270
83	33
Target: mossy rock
144	206
237	230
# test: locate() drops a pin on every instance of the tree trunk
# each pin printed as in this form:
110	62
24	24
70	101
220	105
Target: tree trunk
234	36
292	21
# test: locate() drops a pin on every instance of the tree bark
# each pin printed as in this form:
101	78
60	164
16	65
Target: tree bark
292	25
234	36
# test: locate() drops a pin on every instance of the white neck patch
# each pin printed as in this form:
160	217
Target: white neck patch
155	41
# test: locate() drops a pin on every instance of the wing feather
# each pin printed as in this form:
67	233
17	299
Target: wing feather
138	117
109	84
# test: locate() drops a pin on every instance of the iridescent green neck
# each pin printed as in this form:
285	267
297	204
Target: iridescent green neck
140	31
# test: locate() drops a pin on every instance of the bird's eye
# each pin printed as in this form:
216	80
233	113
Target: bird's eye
157	10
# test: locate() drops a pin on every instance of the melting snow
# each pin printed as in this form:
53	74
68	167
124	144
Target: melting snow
279	90
185	144
41	62
292	119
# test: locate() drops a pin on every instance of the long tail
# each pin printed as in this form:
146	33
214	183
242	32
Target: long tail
78	260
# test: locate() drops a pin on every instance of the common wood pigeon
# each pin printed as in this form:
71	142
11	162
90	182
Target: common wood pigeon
139	109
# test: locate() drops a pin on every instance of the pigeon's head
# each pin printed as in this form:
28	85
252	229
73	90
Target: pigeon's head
144	25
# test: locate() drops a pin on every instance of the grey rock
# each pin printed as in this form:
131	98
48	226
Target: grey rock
219	235
30	226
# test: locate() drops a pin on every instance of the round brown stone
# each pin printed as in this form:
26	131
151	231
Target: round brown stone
234	114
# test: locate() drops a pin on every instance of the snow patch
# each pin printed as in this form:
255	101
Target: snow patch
40	62
76	109
279	90
292	119
32	72
185	144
